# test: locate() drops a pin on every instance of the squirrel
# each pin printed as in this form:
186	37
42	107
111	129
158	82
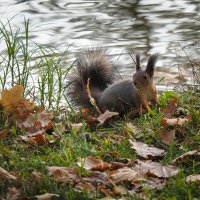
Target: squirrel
122	96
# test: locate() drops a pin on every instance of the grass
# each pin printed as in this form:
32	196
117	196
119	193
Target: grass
41	73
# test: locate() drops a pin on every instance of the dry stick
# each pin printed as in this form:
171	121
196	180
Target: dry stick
91	99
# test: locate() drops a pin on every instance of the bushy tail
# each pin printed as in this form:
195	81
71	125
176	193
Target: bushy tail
96	66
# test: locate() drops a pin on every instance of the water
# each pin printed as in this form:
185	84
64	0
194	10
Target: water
169	27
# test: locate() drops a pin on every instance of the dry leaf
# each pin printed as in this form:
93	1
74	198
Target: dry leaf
6	174
127	174
64	174
145	150
186	156
193	178
167	137
129	127
13	194
77	126
105	116
11	98
36	175
96	177
46	196
91	99
157	169
39	139
3	133
173	121
91	163
171	107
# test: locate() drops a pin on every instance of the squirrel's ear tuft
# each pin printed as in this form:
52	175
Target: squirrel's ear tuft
138	67
151	64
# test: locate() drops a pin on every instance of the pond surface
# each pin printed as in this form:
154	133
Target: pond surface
169	27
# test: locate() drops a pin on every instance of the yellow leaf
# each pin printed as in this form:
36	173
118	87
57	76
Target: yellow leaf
11	98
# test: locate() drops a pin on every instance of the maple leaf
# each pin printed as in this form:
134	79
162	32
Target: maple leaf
11	98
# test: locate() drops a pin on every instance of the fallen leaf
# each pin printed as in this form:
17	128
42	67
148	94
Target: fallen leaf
184	157
167	137
77	126
46	196
3	133
105	116
129	127
13	194
171	107
91	163
193	178
36	175
96	177
39	139
127	174
86	186
157	170
64	174
6	174
173	121
91	98
145	150
11	98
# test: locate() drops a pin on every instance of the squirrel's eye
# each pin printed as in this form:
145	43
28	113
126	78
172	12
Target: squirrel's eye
145	77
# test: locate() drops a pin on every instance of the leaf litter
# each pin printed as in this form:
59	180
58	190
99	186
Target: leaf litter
110	178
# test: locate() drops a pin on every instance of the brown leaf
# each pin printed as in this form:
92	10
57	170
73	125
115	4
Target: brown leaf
96	177
36	175
127	174
91	99
3	133
173	121
184	157
145	150
13	194
39	139
105	116
64	174
171	107
193	178
77	126
91	163
46	196
11	98
129	127
6	174
157	169
167	137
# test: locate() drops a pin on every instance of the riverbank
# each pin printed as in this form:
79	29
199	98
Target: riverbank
53	150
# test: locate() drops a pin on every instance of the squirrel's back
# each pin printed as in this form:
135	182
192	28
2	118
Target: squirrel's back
94	68
93	65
